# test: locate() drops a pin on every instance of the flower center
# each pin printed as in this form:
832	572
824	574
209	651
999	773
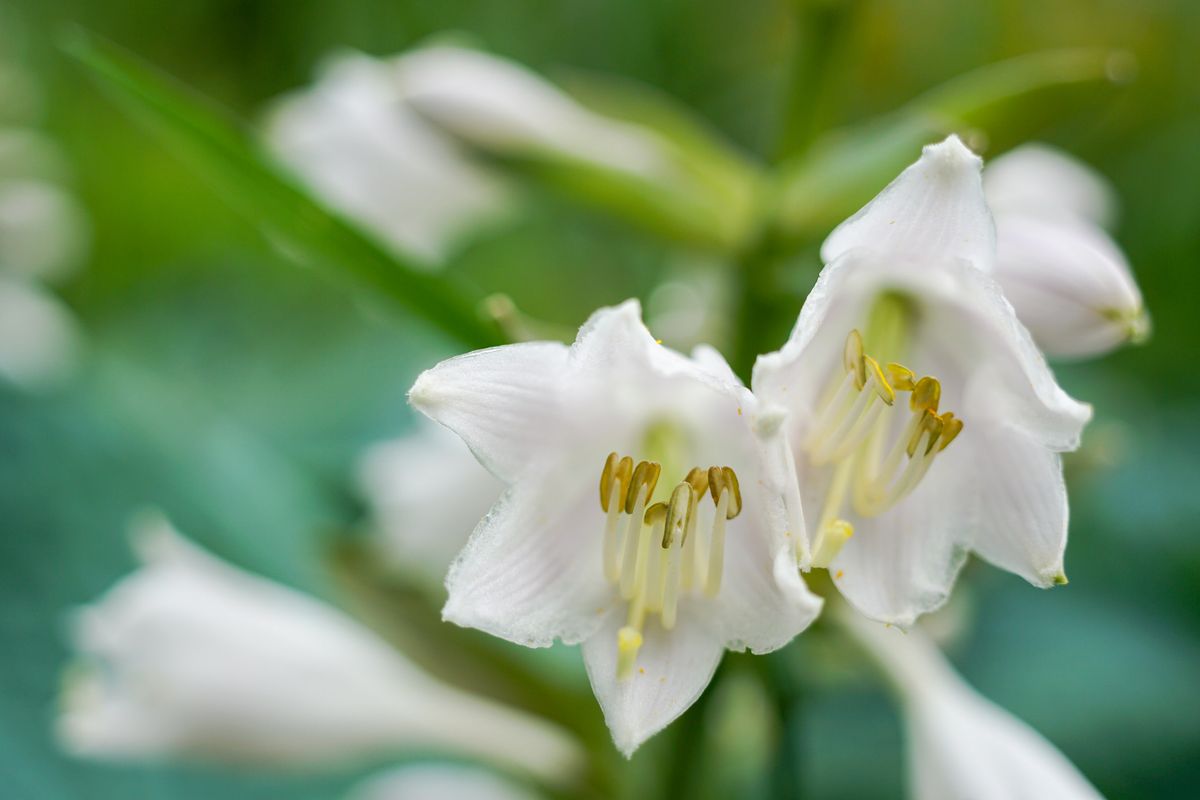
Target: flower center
656	552
879	449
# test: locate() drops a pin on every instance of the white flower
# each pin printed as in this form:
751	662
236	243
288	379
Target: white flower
191	657
439	782
652	576
39	340
426	493
355	141
903	472
961	746
1067	279
43	233
502	107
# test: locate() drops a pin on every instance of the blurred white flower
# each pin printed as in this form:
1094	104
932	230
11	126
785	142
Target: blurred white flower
910	270
43	238
353	138
504	108
190	657
961	745
427	493
1067	279
43	234
642	575
39	340
439	782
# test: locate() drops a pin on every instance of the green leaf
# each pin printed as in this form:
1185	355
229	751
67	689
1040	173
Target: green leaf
227	155
999	105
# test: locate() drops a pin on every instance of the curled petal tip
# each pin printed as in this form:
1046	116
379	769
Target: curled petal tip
951	154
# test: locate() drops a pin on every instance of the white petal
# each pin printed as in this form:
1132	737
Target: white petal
1019	516
191	657
427	493
674	668
903	564
504	401
960	744
39	340
764	603
500	106
439	782
1042	181
533	569
934	211
1069	283
354	142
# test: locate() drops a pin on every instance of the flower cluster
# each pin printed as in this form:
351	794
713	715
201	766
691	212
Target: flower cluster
909	420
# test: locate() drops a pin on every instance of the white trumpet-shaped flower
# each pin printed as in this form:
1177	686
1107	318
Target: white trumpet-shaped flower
920	418
1067	279
682	553
961	745
356	141
191	657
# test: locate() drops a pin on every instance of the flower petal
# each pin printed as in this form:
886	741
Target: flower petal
960	744
1044	182
1069	283
934	211
503	401
1019	520
532	570
674	668
763	602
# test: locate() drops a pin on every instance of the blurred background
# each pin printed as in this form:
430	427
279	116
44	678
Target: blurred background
214	379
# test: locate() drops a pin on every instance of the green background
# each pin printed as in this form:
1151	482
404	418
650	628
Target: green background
235	391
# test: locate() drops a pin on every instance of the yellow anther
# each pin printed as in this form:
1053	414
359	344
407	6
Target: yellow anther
935	425
852	358
951	427
644	474
619	470
654	513
926	395
885	391
679	511
721	479
698	478
900	377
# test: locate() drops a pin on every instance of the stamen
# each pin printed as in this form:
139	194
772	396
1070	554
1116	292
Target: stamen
660	555
852	431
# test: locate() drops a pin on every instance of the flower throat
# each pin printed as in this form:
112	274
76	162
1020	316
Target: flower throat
879	449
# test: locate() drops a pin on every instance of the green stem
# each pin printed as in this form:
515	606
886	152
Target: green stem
787	775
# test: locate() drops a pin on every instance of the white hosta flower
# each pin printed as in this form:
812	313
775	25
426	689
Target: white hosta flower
502	107
921	419
683	553
961	745
191	657
353	138
39	340
1067	279
426	493
439	782
43	233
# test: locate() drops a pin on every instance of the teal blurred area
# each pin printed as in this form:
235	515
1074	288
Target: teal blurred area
221	384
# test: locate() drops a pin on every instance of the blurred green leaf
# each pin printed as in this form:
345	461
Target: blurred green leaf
996	105
226	155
